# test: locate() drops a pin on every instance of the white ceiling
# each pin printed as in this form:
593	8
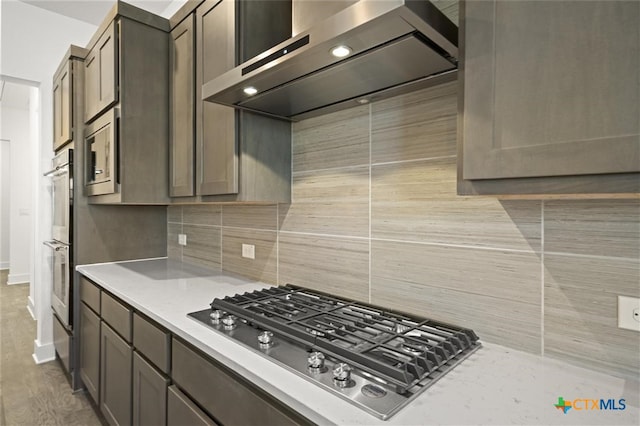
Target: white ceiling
94	11
14	95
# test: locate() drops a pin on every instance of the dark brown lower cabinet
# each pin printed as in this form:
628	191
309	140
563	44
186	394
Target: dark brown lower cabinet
181	411
223	394
149	394
115	377
90	351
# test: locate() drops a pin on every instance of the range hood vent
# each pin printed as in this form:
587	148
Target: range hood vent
395	46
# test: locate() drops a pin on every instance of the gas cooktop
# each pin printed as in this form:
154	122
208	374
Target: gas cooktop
376	359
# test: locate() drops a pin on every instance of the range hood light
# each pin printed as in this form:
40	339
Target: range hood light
250	90
341	51
363	101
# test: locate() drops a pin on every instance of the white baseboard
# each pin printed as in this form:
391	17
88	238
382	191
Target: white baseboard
31	307
43	353
18	279
4	264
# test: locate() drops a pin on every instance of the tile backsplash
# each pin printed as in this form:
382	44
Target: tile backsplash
375	217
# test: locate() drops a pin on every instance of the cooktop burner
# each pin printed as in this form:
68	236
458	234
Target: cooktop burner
376	359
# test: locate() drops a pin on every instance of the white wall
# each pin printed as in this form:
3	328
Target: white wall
5	182
33	43
15	128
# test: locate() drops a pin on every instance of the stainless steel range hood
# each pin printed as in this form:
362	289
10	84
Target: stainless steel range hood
396	46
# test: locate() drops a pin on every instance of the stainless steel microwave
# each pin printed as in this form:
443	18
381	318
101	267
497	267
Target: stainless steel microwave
101	154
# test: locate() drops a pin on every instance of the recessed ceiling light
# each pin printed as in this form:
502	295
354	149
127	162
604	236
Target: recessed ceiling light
341	51
250	90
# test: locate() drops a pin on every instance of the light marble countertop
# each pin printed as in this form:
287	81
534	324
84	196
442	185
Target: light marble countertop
495	385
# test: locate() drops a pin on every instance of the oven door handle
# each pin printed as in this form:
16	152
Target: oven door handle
55	171
55	245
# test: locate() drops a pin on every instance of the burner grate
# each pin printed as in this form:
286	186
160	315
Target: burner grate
399	349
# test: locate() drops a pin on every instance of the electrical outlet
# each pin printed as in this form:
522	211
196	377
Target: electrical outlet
249	251
182	239
629	313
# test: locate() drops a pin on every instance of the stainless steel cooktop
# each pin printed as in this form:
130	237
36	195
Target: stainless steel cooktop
375	359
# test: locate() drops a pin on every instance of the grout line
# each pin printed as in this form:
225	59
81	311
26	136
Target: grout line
426	243
221	242
314	234
415	160
249	229
542	278
329	169
370	195
593	256
278	244
182	232
203	224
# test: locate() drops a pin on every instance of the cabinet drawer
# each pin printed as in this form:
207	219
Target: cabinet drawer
152	342
117	315
196	374
182	411
90	294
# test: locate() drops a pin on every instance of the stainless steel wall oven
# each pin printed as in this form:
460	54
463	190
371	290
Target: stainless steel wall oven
61	176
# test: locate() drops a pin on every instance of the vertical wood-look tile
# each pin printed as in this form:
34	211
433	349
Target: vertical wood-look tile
581	306
255	217
593	227
329	202
174	250
203	246
339	139
416	125
174	214
495	293
417	201
202	214
337	266
263	267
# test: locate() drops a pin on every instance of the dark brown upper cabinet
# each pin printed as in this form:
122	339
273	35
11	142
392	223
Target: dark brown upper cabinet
549	101
101	74
216	153
66	80
127	98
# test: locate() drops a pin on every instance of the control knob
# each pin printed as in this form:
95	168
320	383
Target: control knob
216	315
229	321
315	362
342	375
265	338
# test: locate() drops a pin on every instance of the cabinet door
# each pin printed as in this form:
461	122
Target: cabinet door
90	351
115	377
62	109
217	143
101	74
182	411
182	132
218	391
551	88
149	394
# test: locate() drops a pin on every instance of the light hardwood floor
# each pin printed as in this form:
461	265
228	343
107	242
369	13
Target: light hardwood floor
32	394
